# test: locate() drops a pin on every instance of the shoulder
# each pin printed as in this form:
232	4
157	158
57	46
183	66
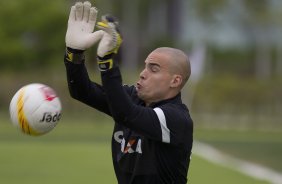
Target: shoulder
176	120
177	116
175	111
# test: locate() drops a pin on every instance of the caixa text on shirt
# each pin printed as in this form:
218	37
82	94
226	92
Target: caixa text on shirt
49	117
133	145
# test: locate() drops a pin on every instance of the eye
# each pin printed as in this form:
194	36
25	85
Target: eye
154	68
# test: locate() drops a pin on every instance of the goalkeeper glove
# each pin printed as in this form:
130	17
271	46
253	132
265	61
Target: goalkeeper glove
80	36
81	24
109	44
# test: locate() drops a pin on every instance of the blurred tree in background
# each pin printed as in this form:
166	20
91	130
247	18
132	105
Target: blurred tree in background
235	47
31	33
241	79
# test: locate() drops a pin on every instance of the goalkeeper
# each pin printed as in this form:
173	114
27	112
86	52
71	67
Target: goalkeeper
153	131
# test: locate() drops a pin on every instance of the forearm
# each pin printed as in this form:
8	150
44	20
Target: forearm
82	88
118	99
78	80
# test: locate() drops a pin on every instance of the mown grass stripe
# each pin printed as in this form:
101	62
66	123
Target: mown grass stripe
253	170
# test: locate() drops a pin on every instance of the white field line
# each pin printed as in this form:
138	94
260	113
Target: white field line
254	170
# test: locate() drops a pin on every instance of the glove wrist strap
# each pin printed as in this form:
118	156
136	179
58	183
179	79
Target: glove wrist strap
74	55
105	63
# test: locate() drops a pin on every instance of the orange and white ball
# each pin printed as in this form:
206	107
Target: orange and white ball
35	109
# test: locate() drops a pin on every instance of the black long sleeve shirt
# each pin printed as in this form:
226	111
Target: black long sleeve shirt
150	145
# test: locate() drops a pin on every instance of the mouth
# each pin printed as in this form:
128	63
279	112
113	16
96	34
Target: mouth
138	86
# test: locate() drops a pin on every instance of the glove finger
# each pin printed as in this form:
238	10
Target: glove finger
79	10
72	14
86	10
93	16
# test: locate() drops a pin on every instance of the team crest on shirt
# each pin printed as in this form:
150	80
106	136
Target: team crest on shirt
133	145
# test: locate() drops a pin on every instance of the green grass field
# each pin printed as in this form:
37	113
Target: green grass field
80	153
262	147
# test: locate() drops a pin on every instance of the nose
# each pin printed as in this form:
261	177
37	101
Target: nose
143	74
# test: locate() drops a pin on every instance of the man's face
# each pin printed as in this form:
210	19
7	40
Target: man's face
154	82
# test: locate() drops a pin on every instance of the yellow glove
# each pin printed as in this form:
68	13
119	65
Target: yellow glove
109	44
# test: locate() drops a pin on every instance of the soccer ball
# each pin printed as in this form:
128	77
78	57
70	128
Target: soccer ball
35	109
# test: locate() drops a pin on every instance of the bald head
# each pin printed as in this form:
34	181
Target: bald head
178	62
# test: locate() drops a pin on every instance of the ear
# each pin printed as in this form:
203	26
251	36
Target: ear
176	81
